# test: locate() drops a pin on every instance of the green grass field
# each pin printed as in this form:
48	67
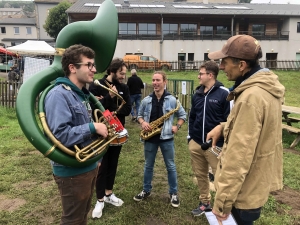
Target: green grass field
28	194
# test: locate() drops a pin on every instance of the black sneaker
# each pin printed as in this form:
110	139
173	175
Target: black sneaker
141	196
211	177
202	208
174	200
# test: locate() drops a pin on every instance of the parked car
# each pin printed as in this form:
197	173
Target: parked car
145	62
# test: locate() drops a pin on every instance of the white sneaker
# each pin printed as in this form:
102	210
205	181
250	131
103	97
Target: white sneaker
112	199
97	212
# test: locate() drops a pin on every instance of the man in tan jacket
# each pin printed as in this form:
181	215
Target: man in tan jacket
251	163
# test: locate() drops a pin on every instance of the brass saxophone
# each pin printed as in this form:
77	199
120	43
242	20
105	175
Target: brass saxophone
156	125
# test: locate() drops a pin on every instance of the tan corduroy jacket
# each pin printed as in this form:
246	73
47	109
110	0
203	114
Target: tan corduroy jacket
251	164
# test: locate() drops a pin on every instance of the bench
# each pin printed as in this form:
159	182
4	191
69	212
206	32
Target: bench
293	130
290	120
294	119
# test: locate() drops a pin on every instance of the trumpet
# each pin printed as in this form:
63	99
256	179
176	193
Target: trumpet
113	124
96	82
214	150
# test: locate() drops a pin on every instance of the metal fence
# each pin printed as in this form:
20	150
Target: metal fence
181	89
9	90
194	65
213	35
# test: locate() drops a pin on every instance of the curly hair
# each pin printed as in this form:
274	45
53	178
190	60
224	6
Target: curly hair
73	55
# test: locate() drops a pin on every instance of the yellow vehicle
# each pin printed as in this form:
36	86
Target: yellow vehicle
145	62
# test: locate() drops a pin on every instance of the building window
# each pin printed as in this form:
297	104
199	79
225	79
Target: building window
206	30
298	27
222	30
170	29
3	30
127	28
188	29
206	57
147	28
258	29
28	30
190	58
16	30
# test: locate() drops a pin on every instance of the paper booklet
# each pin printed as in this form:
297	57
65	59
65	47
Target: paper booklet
212	219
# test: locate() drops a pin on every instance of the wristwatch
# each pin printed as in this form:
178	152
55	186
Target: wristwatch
178	126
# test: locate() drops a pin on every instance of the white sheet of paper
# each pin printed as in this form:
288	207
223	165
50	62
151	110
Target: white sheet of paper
183	87
212	219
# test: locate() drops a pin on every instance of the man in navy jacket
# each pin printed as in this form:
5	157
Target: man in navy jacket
209	108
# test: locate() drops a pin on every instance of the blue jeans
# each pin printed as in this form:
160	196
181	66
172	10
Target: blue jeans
168	152
246	216
135	99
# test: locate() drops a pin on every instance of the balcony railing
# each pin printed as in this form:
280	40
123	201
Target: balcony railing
195	65
268	35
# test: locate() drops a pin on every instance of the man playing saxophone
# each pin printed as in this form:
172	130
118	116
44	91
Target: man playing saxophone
69	118
156	106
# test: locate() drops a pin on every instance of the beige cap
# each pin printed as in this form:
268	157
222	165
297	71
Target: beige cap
238	46
133	71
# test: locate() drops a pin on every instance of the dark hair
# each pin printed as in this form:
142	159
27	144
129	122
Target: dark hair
211	67
250	63
73	55
115	65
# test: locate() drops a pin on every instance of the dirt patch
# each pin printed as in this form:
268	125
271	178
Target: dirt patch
24	185
47	184
10	205
4	127
288	197
45	216
292	151
154	221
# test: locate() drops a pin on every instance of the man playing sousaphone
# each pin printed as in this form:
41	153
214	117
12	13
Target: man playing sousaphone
69	118
157	112
107	171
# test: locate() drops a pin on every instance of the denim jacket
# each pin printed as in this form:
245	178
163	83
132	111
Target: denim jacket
168	105
68	119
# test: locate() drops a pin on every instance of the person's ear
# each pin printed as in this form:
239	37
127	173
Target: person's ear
72	68
242	65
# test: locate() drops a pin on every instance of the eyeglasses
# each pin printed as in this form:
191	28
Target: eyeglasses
88	64
202	73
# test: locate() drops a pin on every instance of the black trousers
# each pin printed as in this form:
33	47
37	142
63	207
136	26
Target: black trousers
245	216
107	171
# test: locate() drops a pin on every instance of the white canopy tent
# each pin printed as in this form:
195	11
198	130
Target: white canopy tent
32	48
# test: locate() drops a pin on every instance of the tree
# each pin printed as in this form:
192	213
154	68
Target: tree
244	1
57	19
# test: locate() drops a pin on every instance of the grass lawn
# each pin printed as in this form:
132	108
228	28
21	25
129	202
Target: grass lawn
28	194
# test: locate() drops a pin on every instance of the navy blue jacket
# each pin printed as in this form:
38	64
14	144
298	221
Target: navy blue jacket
208	110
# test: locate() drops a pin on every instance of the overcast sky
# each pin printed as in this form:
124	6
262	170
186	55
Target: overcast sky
277	1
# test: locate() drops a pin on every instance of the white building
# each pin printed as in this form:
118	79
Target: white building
189	31
14	31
